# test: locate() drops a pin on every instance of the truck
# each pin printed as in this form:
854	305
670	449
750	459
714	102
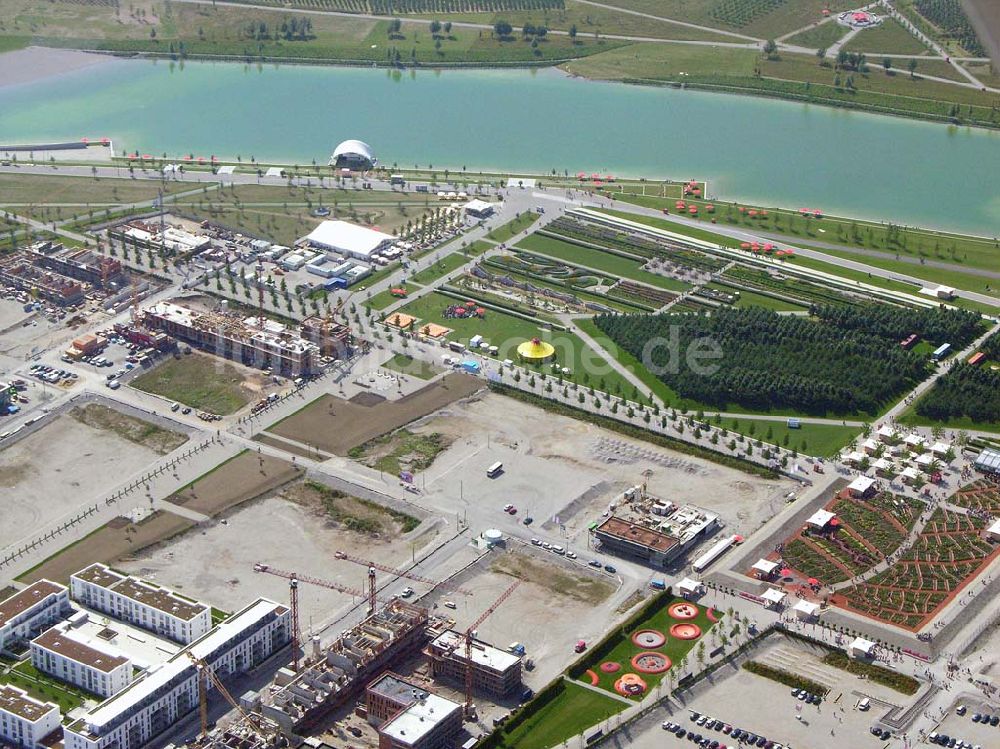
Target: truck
397	179
657	584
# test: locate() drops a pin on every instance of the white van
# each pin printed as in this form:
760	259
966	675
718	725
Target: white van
864	704
450	605
558	549
175	406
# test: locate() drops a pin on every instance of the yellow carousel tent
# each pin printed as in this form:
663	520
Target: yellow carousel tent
535	351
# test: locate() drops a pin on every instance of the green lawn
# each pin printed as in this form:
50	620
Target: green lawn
888	38
441	267
508	331
43	687
822	440
203	382
752	299
384	298
821	36
605	262
910	417
515	226
63	188
572	712
409	366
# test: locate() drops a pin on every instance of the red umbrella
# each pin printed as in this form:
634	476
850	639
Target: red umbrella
609	178
85	140
817	212
581	175
146	156
789	252
680	204
710	208
201	159
812	581
744	245
459	310
105	141
595	175
693	209
752	212
598	183
470	304
480	311
742	209
786	572
187	158
768	247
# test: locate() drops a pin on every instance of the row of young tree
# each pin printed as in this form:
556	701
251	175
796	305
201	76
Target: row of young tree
964	391
771	361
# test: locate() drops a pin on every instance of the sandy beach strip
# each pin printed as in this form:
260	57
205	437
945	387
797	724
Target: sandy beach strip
37	63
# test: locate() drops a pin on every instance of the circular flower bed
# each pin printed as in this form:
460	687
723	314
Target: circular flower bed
610	667
685	631
648	638
649	662
683	610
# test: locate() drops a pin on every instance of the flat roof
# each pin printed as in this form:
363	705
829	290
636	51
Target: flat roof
689	584
774	595
861	484
860	643
821	517
637	534
419	718
99	574
67	646
765	565
807	607
23	600
483	654
20	703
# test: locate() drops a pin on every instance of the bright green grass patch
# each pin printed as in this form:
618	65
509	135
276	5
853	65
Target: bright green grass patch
409	366
572	712
605	262
440	267
821	36
516	226
753	299
890	37
813	439
384	298
43	687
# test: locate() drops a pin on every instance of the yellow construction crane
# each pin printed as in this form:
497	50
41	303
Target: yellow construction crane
206	674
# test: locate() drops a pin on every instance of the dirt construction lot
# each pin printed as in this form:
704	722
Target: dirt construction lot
565	472
336	425
215	563
63	466
111	543
246	476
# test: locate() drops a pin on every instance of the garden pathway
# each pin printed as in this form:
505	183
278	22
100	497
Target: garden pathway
604	692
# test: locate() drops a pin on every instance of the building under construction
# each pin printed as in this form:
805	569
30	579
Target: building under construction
19	272
256	342
332	339
495	673
332	677
80	264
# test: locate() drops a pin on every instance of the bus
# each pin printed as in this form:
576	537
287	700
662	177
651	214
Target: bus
494	470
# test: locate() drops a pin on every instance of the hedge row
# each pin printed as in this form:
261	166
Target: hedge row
785	677
879	674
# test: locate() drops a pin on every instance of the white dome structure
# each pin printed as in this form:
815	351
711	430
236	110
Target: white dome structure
353	154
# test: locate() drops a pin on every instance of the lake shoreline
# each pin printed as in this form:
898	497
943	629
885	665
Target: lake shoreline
36	64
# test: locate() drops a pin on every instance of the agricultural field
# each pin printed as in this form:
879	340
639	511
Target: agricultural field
203	382
946	556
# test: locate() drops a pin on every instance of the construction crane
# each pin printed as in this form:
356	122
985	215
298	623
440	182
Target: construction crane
293	593
444	585
206	674
470	634
260	294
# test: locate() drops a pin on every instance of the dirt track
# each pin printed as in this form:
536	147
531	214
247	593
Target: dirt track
336	425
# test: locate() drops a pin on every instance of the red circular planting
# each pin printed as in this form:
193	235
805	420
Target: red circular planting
710	613
683	610
649	662
648	638
685	631
594	679
610	667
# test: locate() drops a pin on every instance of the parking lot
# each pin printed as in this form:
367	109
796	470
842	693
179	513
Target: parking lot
971	724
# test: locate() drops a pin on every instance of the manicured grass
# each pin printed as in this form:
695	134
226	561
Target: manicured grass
888	38
751	299
515	226
384	298
508	331
203	382
573	711
657	61
44	687
409	366
441	267
821	36
63	188
814	439
605	262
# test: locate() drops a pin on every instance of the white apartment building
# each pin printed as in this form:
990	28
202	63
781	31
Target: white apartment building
95	667
25	721
141	603
32	610
162	696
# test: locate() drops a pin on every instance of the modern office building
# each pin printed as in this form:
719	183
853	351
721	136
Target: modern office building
410	717
32	610
141	603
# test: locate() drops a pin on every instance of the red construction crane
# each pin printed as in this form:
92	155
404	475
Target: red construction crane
293	593
470	633
444	585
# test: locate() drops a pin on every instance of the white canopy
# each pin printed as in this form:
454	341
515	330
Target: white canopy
820	518
806	609
862	646
689	585
765	565
862	485
774	596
